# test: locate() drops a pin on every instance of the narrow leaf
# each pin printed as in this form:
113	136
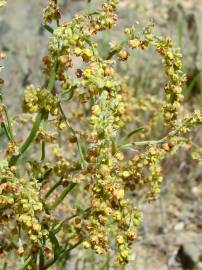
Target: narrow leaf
137	130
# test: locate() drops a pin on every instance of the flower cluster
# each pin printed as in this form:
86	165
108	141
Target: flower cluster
110	212
37	99
20	205
106	18
172	61
109	205
91	119
51	12
145	170
75	39
189	122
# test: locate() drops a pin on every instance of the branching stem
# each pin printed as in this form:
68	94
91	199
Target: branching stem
39	118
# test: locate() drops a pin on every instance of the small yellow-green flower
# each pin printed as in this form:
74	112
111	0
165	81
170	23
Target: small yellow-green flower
2	3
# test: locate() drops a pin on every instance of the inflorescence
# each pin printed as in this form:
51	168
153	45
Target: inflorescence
94	157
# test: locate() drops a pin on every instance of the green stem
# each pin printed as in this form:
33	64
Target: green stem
5	129
153	142
5	266
39	118
57	228
26	264
58	21
62	196
68	125
52	76
48	28
133	132
1	131
43	151
66	252
9	127
29	139
57	184
33	132
41	260
46	175
83	162
143	143
43	143
53	188
9	123
63	254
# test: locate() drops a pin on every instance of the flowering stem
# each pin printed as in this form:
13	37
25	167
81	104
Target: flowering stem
57	21
40	116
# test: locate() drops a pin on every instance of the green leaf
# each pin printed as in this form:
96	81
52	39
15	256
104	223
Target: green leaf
136	130
48	28
41	259
55	244
66	95
63	195
27	263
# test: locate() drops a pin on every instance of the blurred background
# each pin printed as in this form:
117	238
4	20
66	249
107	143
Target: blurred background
170	236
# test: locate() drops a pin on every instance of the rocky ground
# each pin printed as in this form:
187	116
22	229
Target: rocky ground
171	236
